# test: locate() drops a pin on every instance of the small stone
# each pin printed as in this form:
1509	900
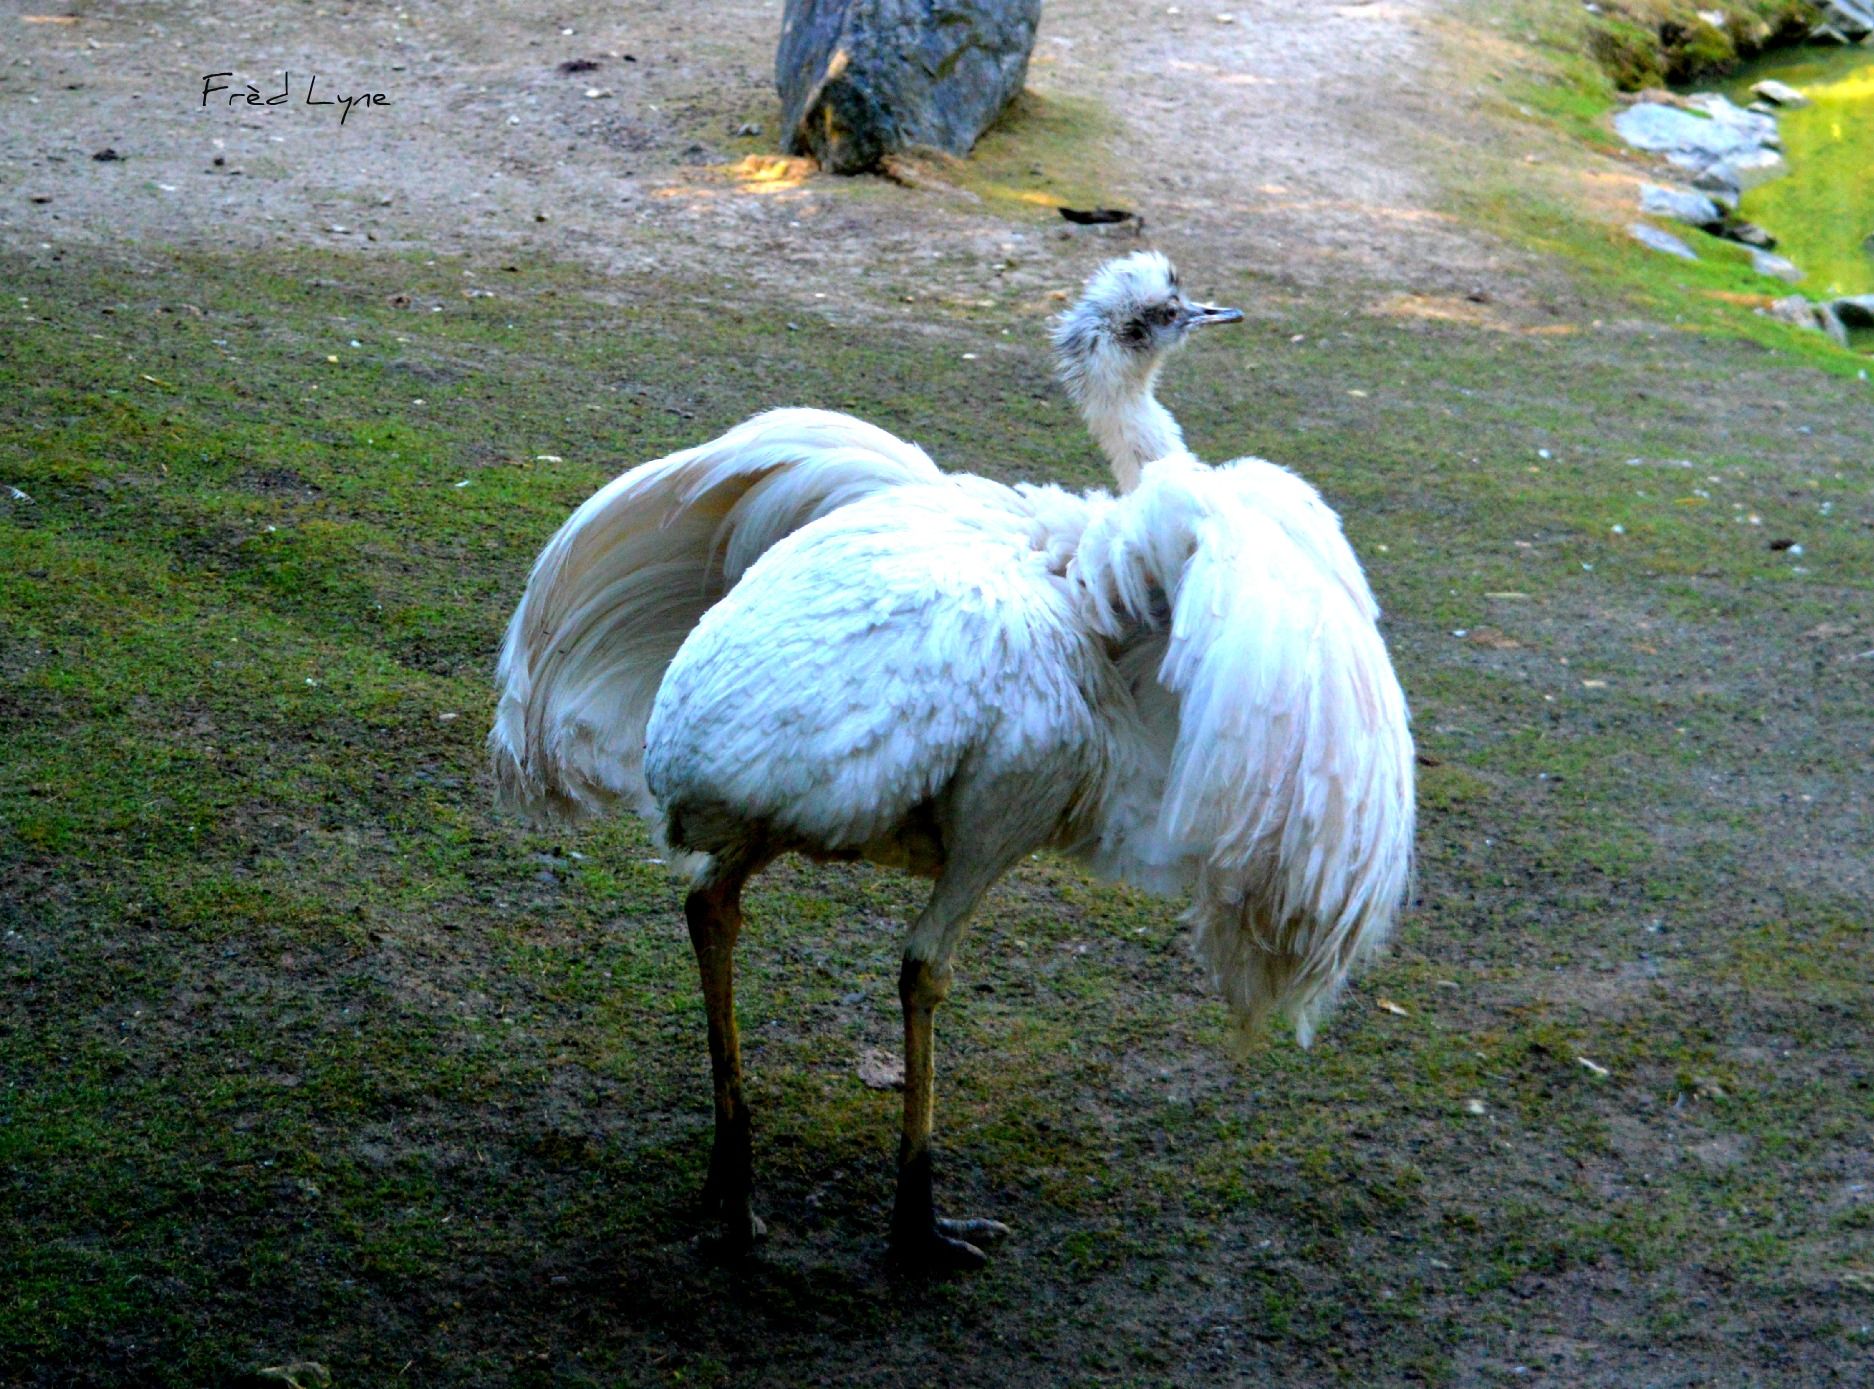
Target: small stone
1651	236
1779	92
880	1069
1775	266
1720	180
1682	205
1830	323
1856	311
1794	310
1749	234
1799	312
1758	166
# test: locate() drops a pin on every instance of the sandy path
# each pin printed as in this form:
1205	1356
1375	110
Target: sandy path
1279	141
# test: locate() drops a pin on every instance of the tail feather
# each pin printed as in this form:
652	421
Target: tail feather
625	579
1287	784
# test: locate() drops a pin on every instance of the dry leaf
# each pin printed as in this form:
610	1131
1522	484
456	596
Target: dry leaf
1386	1005
1492	638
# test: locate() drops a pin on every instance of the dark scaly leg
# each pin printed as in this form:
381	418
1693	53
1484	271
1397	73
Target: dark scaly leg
918	1237
714	913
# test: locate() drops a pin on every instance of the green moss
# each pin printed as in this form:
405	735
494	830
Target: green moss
1696	50
1045	151
1629	54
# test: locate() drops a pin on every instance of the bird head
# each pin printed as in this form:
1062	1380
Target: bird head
1131	314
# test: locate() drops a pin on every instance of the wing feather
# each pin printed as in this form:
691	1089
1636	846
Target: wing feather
1281	764
632	571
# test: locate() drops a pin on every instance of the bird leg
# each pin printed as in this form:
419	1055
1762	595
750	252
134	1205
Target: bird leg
714	913
917	1235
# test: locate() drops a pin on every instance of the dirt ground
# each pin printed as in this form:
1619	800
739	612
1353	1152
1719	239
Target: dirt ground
314	1058
1280	141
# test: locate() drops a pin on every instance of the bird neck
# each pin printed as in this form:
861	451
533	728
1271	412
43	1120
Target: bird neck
1132	428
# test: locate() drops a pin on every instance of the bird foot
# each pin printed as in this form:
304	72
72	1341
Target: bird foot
947	1246
740	1232
729	1207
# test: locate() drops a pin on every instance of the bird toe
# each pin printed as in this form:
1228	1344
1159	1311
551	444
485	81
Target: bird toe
976	1231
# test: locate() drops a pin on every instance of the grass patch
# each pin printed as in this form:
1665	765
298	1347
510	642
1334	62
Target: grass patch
313	1059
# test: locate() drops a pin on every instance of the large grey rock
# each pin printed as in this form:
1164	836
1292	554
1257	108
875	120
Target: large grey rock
1726	147
860	79
1844	20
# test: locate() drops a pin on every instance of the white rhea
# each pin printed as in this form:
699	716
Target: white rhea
1109	347
803	637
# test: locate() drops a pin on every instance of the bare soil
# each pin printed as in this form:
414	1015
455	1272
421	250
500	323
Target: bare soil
1280	142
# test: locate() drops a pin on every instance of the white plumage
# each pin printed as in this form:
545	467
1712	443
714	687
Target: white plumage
804	637
621	584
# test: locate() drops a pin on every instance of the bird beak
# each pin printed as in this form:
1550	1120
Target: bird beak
1197	314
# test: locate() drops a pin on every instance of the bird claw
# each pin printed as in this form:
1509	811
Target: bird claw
947	1246
726	1204
737	1238
975	1231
